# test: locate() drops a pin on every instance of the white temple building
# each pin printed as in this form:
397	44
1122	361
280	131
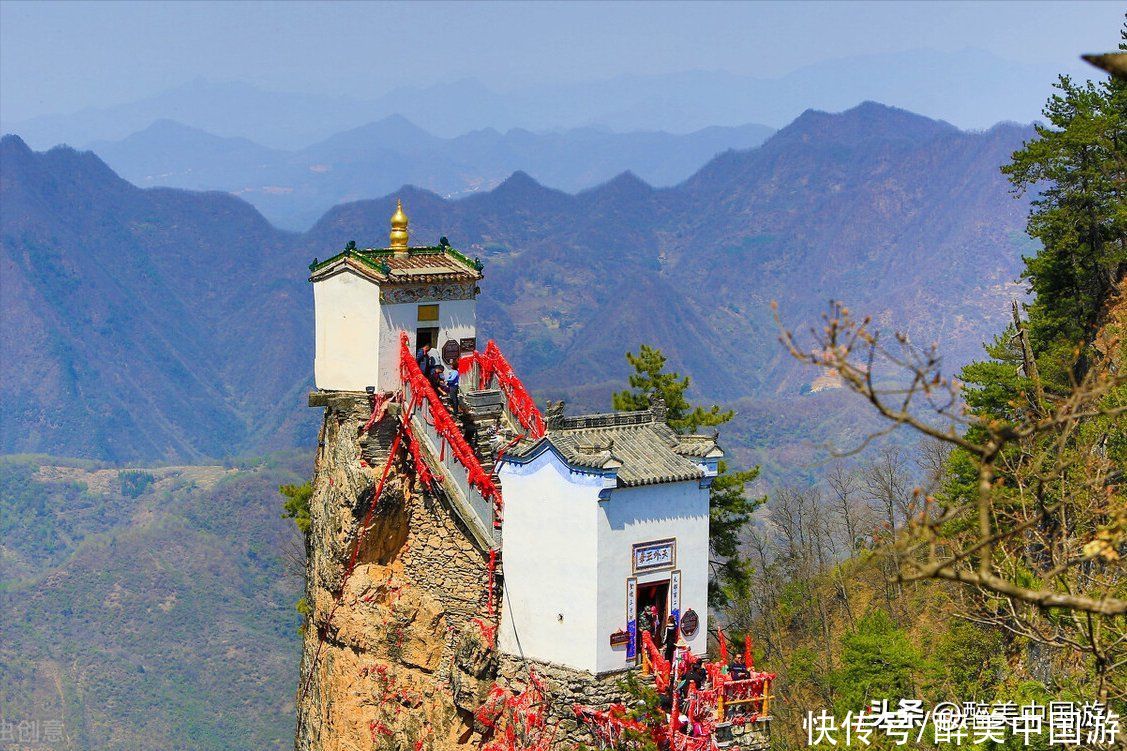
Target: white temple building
363	298
603	515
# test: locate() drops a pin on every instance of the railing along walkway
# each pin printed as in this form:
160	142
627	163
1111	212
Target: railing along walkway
472	491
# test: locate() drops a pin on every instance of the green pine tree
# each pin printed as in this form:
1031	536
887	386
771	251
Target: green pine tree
1078	166
877	662
296	504
729	506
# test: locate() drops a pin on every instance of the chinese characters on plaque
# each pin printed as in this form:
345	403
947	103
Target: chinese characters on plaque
649	556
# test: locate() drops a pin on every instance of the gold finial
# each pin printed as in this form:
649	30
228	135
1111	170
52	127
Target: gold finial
399	229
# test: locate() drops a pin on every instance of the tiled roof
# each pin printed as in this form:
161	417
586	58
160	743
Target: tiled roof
429	264
699	446
642	449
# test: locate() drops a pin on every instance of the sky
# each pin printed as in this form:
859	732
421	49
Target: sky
60	57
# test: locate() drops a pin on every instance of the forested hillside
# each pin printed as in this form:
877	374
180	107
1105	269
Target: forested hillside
140	324
986	565
149	608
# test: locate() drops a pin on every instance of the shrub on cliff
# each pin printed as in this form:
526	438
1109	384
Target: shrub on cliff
296	504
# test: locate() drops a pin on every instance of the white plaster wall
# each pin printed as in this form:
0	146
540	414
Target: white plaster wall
643	514
456	320
549	549
393	319
347	313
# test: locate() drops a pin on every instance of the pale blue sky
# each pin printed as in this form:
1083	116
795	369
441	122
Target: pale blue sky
60	57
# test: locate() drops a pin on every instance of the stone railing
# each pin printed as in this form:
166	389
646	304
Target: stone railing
476	496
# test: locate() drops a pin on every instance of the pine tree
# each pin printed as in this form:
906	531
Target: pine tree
729	506
296	504
877	662
1078	167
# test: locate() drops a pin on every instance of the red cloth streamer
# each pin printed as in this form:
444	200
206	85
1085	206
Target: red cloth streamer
492	579
362	529
490	712
723	641
377	729
700	706
422	471
488	633
360	532
444	423
521	718
379	409
494	365
749	658
658	663
609	726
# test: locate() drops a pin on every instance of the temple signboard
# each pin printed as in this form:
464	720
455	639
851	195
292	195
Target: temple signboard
658	554
451	352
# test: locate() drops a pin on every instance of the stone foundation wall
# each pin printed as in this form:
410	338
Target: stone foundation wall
566	687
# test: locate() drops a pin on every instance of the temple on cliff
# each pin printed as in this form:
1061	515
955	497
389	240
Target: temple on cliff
592	530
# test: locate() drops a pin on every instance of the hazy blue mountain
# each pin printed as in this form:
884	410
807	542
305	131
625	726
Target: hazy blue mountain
154	323
162	323
293	188
970	88
901	215
168	150
281	120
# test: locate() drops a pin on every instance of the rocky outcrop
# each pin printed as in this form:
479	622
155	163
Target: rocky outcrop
398	651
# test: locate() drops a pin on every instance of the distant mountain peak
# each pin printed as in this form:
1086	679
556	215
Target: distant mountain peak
628	178
519	181
11	144
167	123
868	119
61	162
393	131
521	189
623	185
877	110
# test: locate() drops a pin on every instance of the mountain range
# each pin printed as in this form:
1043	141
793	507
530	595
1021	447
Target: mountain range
165	324
153	608
971	88
294	188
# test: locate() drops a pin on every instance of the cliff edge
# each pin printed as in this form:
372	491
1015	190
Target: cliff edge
398	643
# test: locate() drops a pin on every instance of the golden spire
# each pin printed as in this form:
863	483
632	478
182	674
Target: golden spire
399	229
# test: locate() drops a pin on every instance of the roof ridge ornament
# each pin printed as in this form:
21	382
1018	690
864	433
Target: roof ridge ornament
658	407
554	414
399	233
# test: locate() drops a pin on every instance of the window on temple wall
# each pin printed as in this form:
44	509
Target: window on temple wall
428	312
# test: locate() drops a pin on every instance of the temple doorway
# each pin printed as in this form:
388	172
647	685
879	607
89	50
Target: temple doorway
653	595
427	335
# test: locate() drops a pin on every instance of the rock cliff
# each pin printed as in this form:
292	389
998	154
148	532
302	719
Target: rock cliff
398	653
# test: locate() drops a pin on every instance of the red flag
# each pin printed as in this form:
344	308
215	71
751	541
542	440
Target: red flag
723	646
749	660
